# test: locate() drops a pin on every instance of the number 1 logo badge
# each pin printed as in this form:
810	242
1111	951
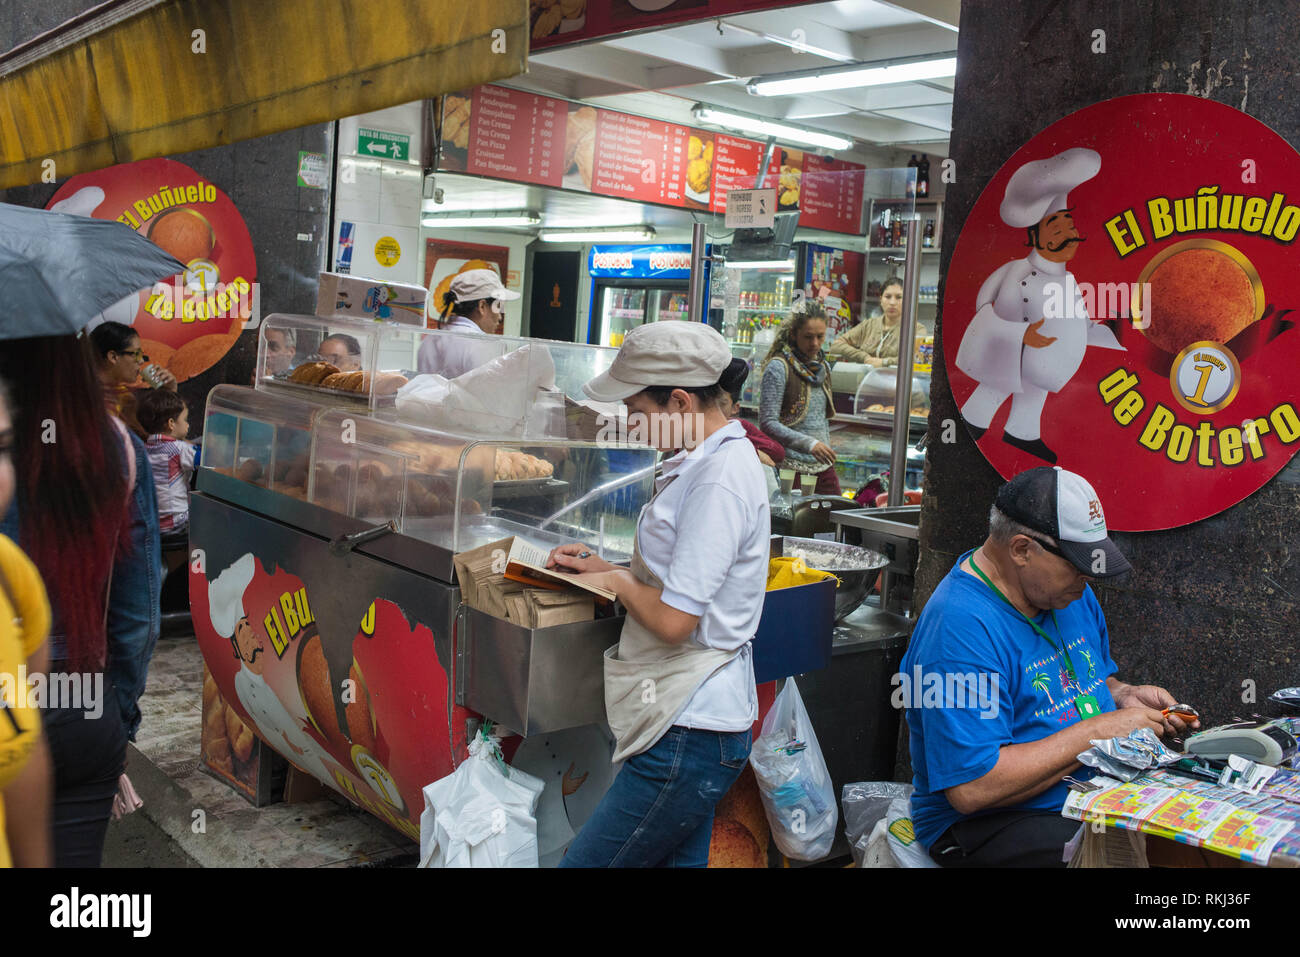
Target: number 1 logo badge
1205	377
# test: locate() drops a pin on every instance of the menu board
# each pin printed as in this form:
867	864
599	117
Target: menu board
639	159
735	166
509	134
831	196
516	136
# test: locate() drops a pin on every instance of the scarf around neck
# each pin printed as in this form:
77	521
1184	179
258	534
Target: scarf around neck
811	372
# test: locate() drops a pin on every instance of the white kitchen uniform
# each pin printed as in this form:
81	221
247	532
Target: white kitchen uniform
706	537
454	355
1023	291
269	715
274	722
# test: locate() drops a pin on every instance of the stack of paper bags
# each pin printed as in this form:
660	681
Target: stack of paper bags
484	586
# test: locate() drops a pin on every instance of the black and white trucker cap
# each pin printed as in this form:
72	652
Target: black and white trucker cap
1063	505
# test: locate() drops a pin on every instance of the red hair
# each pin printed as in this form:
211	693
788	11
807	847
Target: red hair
71	477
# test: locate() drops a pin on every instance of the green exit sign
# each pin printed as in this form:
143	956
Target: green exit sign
393	146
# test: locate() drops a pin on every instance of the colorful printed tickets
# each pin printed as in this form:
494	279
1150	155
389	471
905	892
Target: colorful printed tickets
1252	828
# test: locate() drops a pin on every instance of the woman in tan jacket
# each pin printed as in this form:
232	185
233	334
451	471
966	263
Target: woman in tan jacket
874	341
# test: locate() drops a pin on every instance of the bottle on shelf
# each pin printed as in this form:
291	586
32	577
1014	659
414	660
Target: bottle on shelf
928	241
911	178
896	234
923	176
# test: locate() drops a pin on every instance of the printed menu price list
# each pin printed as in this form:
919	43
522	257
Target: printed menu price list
831	194
639	159
517	136
735	166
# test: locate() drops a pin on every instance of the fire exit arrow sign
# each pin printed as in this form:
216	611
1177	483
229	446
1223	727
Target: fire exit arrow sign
394	146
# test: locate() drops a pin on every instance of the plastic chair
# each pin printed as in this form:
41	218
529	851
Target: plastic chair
814	516
910	497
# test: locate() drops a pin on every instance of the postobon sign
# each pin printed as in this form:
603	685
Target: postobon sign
1120	303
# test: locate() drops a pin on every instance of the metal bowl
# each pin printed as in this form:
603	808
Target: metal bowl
856	568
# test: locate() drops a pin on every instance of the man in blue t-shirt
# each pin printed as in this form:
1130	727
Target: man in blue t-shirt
1009	674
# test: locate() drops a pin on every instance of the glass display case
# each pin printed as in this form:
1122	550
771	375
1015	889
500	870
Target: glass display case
451	381
462	492
323	360
259	438
452	491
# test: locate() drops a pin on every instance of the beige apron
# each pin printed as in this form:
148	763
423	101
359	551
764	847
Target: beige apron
649	681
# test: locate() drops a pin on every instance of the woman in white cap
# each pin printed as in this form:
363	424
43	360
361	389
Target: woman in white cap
679	686
472	306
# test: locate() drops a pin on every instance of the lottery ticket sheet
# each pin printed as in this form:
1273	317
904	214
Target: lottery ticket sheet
1261	829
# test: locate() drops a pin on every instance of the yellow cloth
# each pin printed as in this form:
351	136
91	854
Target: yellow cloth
789	572
20	726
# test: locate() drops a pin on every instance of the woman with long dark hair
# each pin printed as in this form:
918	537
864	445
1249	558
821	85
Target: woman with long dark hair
76	470
795	399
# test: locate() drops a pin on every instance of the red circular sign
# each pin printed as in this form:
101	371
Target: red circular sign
1119	303
190	321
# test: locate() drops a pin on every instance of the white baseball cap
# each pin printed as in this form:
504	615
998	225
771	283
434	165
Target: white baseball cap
1064	506
675	352
475	284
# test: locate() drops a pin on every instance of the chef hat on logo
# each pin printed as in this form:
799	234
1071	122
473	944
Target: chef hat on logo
226	595
1043	186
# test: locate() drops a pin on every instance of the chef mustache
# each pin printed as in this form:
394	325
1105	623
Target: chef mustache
1064	242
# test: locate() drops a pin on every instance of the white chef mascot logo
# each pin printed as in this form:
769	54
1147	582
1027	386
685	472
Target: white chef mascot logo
1018	346
270	715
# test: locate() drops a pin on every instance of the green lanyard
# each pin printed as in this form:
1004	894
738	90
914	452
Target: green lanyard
1069	665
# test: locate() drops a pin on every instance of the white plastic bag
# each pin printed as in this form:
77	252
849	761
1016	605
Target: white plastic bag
907	850
477	816
793	780
865	806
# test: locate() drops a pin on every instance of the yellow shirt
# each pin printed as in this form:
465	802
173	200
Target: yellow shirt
20	726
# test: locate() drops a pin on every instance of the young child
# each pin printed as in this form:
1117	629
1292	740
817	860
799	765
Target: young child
167	421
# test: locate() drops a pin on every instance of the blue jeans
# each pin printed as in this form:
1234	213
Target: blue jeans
659	810
134	613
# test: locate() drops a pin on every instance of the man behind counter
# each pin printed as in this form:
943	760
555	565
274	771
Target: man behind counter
1017	620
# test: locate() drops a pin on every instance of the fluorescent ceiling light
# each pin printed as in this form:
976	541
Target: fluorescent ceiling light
783	131
613	234
840	78
489	220
799	46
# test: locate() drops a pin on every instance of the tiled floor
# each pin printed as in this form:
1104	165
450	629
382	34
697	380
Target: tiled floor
166	772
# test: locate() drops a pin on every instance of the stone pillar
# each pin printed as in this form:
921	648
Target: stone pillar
1211	605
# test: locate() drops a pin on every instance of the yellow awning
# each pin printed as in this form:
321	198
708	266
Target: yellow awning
140	87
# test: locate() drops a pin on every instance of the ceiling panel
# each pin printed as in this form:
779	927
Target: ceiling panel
663	73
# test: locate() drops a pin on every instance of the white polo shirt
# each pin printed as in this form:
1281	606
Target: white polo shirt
454	355
706	537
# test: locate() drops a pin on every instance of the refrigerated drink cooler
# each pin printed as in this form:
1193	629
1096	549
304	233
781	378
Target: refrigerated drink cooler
633	285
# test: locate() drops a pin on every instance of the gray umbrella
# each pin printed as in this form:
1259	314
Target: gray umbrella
58	271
